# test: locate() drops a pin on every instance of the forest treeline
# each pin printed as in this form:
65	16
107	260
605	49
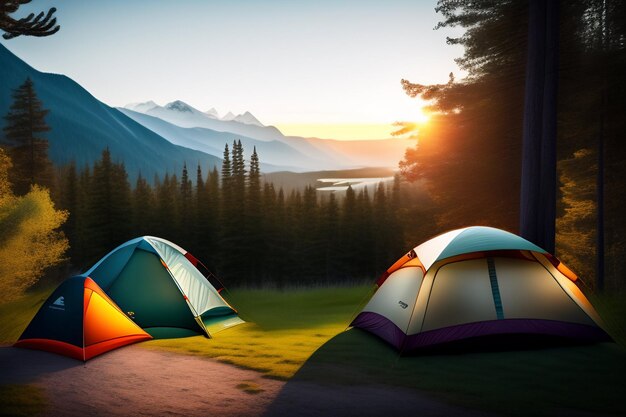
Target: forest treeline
470	153
244	230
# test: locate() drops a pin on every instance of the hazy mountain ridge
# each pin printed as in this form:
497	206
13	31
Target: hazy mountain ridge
184	115
311	153
82	126
277	154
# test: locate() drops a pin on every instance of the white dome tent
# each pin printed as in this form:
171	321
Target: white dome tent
477	281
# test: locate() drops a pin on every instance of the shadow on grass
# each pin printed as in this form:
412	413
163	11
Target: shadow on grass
543	377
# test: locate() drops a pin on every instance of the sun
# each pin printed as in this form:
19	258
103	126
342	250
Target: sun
422	116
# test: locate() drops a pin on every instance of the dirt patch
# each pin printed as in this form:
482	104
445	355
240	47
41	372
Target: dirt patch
145	382
136	381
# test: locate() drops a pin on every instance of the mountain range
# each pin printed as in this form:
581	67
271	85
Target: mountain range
82	126
150	106
184	125
152	139
182	114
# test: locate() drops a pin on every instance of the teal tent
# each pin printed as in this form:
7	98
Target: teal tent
159	285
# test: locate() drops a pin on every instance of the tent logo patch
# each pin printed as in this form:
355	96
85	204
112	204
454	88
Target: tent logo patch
403	304
59	304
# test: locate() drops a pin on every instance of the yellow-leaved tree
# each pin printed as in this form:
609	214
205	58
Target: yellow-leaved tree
30	241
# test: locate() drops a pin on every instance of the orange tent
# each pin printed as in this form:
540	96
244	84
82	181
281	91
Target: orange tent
80	321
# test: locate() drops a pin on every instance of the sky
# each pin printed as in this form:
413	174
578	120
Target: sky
319	68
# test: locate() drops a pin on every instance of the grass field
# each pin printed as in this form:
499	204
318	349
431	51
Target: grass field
301	335
283	329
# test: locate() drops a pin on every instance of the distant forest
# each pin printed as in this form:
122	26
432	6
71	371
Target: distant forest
244	230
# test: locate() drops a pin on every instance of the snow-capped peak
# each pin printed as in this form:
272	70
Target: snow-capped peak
183	114
179	106
141	107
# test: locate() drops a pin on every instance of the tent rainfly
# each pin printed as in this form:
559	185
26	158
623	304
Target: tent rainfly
80	321
477	281
159	285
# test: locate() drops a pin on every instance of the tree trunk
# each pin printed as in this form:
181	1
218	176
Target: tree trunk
532	127
600	203
600	175
548	191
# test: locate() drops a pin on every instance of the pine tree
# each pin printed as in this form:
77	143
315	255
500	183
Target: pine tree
81	243
167	211
28	148
254	228
226	176
329	226
109	203
211	212
143	208
238	170
363	257
348	233
200	227
308	234
282	254
383	240
186	210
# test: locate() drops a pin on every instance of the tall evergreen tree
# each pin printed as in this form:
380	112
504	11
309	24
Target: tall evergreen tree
211	214
186	210
230	216
254	228
349	232
143	203
166	212
28	148
108	206
329	228
200	227
238	170
226	176
363	258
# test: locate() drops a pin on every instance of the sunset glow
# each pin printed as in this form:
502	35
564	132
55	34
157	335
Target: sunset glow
339	131
349	131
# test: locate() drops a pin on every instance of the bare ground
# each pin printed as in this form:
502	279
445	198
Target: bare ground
137	381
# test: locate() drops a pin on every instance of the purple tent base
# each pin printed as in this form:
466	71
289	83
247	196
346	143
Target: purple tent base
388	331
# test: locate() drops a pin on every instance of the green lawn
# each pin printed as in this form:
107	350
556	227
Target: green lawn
301	335
283	328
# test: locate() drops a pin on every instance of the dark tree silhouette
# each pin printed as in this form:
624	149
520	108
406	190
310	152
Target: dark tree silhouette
42	24
28	148
538	181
